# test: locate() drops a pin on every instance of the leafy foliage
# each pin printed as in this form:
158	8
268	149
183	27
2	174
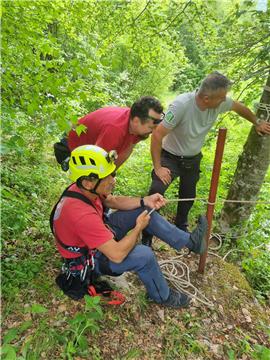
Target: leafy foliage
63	59
257	271
68	63
73	340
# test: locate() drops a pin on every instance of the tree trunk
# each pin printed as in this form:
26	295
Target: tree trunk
249	174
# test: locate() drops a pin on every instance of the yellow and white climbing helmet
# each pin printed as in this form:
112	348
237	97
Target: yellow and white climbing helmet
91	160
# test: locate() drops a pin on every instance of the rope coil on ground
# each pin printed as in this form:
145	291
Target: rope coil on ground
177	273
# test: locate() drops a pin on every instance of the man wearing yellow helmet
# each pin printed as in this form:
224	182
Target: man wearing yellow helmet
80	228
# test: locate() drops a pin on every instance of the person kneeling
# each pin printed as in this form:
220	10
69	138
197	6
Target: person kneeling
106	243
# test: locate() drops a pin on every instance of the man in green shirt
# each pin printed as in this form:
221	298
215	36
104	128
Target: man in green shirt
178	139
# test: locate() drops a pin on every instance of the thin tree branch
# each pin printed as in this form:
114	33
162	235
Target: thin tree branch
257	72
181	12
241	50
137	17
246	87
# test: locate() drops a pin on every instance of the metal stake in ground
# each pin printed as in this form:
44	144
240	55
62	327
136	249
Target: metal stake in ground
213	191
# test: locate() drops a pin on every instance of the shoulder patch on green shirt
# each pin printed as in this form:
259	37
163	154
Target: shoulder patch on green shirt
169	117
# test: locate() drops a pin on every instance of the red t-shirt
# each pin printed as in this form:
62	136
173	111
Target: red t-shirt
107	128
79	224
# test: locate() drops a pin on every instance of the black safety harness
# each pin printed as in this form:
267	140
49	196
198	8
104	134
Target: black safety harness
82	267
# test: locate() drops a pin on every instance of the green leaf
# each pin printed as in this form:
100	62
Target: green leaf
81	128
25	348
231	354
78	318
95	315
9	352
82	341
11	335
70	348
91	301
261	353
38	309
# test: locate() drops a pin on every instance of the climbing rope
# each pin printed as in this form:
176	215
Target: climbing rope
220	200
266	109
177	272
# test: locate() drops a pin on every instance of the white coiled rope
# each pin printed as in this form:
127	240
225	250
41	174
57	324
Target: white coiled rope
177	274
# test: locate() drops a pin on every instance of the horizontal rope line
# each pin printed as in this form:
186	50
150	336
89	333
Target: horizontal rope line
220	200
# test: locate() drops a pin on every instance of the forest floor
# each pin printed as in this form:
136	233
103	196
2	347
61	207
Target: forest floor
235	327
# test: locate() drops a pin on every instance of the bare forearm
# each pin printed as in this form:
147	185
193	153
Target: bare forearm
126	244
245	112
261	127
117	251
156	146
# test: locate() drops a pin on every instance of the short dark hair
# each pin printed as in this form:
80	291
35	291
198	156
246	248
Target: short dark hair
213	82
142	106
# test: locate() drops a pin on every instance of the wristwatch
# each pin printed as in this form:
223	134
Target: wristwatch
142	202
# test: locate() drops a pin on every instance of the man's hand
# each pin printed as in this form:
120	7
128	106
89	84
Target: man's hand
263	128
155	201
164	174
142	220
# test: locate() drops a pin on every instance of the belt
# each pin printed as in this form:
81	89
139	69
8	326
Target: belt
187	157
182	156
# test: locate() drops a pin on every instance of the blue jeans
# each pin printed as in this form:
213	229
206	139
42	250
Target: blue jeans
141	259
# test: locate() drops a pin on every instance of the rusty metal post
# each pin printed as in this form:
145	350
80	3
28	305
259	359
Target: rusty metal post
213	192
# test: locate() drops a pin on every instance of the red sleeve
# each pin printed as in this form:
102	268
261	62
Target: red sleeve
136	139
92	230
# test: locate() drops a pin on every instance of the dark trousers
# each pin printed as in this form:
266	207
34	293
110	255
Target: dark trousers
188	170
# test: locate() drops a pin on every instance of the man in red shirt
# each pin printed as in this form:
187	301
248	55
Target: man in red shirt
80	229
116	128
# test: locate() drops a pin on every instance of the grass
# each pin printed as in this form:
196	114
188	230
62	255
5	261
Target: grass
36	315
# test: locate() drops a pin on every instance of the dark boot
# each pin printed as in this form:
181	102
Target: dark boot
177	299
198	236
